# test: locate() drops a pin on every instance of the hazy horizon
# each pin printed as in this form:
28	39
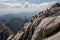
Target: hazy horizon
19	6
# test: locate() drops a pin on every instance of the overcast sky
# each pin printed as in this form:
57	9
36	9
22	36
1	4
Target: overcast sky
16	6
30	1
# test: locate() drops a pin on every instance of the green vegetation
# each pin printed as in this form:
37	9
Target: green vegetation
15	24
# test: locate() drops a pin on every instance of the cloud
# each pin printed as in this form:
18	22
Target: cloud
27	7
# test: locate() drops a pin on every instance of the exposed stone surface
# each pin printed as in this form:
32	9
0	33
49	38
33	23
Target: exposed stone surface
54	37
45	25
4	32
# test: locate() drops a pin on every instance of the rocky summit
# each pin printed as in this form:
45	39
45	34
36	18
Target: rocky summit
43	26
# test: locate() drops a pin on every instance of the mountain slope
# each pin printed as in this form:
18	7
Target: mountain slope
41	26
4	32
16	24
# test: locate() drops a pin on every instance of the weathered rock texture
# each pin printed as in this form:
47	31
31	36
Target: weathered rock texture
45	25
4	32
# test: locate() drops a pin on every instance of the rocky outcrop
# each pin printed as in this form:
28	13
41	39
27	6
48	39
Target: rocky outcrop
48	25
54	37
4	32
42	26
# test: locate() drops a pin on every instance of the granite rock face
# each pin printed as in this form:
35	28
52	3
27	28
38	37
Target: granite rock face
45	25
4	32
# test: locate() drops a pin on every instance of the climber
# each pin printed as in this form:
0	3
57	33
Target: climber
31	20
36	16
46	14
40	12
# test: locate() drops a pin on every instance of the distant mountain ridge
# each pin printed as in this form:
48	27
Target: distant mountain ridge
40	27
16	21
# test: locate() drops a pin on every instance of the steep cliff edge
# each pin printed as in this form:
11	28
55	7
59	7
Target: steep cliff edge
5	32
42	26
